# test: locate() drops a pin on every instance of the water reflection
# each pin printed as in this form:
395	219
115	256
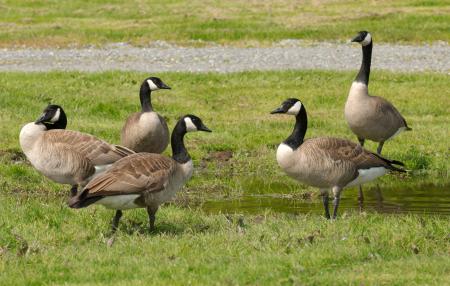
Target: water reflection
426	199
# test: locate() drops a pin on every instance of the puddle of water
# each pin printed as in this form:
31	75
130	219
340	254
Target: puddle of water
426	199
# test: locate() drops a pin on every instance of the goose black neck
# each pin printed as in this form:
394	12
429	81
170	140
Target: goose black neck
144	95
298	134
179	152
364	71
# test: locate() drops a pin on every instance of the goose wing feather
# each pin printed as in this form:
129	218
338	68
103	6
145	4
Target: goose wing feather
133	174
386	111
62	161
344	150
96	150
325	162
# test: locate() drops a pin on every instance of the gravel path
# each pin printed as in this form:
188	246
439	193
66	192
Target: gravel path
287	54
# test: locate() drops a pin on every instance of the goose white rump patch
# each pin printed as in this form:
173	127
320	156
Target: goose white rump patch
120	202
100	169
400	130
367	175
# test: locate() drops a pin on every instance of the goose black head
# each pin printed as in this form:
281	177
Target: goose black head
53	117
363	37
193	123
290	106
155	83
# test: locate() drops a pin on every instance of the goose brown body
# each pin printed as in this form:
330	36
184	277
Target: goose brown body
327	162
145	132
139	180
372	117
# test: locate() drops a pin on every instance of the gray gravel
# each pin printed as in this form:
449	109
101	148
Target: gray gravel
288	54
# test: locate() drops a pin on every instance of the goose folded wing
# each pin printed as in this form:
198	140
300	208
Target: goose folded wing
387	111
143	172
63	160
348	151
98	151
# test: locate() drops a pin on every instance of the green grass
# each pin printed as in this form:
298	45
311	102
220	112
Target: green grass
67	23
42	241
47	243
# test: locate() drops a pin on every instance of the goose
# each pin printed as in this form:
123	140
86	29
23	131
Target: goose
66	156
146	131
326	162
143	180
370	117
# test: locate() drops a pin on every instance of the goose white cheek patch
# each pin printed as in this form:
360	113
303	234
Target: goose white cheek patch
152	85
367	40
56	116
190	126
295	109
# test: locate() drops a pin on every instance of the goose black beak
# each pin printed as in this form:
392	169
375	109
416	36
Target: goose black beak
204	128
278	110
356	39
164	86
45	117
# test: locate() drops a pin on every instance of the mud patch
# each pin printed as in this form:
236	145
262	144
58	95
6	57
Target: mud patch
13	156
220	156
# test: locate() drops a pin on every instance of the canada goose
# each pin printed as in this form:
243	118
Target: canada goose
143	179
146	131
370	117
325	162
66	156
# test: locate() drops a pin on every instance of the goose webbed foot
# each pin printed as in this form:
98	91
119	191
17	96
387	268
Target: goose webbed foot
361	141
115	222
152	217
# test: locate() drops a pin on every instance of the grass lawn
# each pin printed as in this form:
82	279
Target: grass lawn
42	241
51	244
243	23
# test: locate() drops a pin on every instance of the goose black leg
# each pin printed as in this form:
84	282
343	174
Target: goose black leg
379	194
360	194
325	200
115	222
380	147
360	197
361	141
73	191
337	199
379	197
151	217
